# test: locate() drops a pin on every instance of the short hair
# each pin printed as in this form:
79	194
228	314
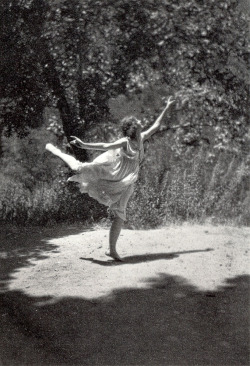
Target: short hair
129	126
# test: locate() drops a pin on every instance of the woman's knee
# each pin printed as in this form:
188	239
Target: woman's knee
119	219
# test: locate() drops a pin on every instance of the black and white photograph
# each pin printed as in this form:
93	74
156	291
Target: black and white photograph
124	183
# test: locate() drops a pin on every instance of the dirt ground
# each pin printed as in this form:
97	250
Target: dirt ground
181	297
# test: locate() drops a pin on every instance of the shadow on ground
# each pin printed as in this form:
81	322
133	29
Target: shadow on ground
168	323
135	259
18	246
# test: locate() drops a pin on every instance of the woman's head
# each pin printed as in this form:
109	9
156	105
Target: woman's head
131	126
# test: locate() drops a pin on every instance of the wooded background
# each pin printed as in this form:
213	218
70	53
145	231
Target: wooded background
78	67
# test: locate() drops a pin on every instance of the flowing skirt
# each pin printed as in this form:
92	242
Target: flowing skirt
109	179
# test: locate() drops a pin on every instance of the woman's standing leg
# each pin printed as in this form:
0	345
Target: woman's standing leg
68	159
118	221
113	237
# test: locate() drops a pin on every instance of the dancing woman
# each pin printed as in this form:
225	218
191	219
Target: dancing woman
111	176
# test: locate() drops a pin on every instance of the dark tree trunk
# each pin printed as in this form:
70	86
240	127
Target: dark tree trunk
68	115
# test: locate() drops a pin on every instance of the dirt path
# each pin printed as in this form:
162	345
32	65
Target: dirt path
180	297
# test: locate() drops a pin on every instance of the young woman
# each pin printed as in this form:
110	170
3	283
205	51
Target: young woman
111	176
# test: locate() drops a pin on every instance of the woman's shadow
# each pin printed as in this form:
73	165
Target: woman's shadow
135	259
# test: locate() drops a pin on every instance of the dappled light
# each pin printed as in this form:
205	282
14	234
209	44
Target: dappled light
180	297
172	287
76	265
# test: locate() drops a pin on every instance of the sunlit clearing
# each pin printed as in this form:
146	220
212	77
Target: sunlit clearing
203	256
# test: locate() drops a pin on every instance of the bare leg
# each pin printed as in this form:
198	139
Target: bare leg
68	159
113	237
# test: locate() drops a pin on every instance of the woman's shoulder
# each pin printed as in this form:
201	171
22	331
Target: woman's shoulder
135	145
132	149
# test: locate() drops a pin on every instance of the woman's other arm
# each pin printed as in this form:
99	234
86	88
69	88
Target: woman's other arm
155	127
99	145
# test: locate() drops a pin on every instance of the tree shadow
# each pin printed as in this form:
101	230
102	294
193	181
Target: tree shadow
21	245
169	322
135	259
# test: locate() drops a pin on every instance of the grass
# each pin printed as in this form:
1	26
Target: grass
185	190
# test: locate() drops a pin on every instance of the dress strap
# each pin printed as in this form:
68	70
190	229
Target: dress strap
131	153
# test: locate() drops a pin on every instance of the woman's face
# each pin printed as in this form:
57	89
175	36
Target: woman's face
132	128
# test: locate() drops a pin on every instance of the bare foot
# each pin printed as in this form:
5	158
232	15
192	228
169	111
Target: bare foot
52	148
115	256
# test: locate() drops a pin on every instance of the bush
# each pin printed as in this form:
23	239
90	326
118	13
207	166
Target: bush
34	185
193	190
46	204
34	189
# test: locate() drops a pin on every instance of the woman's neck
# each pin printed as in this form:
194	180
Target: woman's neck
136	142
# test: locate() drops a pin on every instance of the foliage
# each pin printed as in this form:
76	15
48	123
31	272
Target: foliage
87	64
46	204
26	161
188	192
77	55
24	93
34	187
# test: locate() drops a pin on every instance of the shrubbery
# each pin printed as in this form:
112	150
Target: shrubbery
46	204
34	188
79	80
194	191
170	188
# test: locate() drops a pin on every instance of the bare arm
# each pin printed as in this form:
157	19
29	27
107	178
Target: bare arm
155	127
99	145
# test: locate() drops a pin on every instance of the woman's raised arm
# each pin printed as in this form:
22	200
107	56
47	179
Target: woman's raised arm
155	127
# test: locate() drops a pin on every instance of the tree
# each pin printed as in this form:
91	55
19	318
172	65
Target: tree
79	54
23	96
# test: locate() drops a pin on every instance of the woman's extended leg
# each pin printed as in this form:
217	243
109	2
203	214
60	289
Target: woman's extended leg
68	159
113	237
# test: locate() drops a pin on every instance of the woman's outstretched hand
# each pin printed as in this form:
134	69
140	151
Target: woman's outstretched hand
169	102
76	141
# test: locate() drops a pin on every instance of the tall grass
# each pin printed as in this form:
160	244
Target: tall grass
46	204
194	190
190	189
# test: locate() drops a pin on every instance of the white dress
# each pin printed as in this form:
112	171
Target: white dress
110	177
